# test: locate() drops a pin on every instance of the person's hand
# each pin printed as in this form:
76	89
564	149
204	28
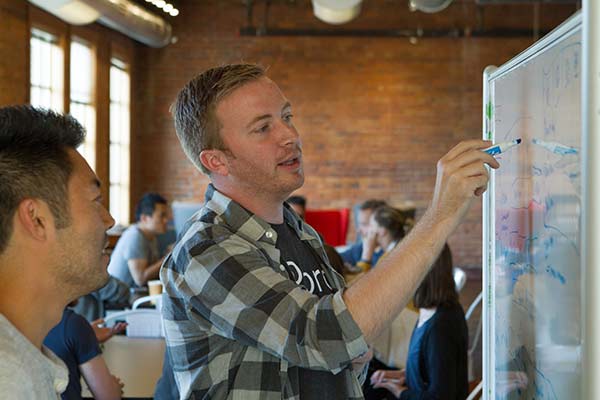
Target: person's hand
369	245
394	381
119	382
461	177
103	333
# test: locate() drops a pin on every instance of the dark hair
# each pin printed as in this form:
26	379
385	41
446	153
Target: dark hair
392	219
372	204
35	163
297	200
438	287
194	109
147	204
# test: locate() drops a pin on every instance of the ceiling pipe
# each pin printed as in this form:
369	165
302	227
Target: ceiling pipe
399	33
121	15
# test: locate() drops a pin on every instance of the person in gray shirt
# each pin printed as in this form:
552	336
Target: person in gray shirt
53	242
92	306
136	258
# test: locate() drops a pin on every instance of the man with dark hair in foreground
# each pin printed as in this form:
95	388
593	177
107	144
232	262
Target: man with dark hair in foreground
52	243
253	310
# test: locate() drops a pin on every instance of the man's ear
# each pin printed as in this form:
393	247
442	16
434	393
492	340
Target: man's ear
35	217
144	218
215	161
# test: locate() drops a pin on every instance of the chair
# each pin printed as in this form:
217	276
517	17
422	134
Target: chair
155	299
460	278
473	305
475	391
141	323
474	342
332	224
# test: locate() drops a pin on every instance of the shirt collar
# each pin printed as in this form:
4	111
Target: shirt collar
246	223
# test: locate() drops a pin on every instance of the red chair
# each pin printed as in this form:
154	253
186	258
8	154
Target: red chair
332	224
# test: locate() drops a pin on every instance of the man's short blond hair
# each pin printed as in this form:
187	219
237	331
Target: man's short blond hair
194	109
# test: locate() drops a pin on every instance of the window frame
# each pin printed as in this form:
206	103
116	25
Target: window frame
106	43
124	52
89	39
43	21
125	67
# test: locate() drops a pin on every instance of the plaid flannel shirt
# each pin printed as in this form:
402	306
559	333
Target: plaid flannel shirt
236	325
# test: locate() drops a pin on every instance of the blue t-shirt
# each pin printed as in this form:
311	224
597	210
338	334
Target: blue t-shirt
352	255
132	245
74	341
436	367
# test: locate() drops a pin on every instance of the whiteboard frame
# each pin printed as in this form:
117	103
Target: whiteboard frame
591	193
488	250
488	221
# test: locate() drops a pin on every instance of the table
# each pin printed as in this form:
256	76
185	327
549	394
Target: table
136	361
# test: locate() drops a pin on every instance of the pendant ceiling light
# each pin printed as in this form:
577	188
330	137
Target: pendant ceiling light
429	6
336	11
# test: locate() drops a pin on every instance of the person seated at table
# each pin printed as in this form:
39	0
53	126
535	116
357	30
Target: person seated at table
385	230
136	259
356	252
74	341
437	359
92	306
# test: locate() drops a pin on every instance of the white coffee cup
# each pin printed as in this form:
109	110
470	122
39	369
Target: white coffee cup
155	287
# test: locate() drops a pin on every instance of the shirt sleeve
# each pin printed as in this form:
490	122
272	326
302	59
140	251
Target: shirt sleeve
115	291
81	339
136	246
441	357
232	285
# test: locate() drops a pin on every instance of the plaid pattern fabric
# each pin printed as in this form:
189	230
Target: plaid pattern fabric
236	325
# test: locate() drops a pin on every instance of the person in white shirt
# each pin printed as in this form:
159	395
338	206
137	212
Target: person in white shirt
52	243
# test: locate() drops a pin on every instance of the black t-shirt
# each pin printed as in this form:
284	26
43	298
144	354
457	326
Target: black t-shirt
305	267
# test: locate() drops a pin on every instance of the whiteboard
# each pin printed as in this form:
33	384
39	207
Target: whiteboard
533	276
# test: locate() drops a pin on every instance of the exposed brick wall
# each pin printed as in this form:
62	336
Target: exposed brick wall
375	114
14	57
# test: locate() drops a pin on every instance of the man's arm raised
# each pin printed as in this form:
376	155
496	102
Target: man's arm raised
379	296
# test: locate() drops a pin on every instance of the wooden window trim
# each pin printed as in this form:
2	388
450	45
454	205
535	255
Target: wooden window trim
125	51
105	44
46	22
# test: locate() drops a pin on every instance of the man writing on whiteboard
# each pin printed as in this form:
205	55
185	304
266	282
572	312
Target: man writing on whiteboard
240	321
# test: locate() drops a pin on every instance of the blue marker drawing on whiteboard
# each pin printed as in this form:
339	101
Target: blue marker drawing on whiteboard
556	148
499	148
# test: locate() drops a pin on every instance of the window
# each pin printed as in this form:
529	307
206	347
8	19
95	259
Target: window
119	141
46	71
82	105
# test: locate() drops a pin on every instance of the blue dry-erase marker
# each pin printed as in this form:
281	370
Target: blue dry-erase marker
501	147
